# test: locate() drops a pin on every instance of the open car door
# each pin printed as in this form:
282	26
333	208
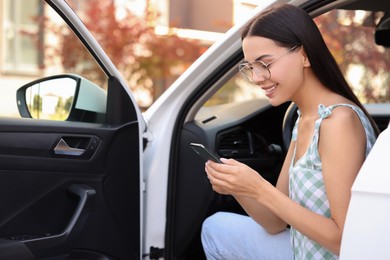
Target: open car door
70	189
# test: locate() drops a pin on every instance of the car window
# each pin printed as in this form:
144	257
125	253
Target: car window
364	64
35	44
237	89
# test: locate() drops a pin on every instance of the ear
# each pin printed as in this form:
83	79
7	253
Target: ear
305	59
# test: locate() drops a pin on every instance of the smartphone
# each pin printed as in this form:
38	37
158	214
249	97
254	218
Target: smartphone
205	153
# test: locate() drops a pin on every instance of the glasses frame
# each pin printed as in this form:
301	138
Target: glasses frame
249	66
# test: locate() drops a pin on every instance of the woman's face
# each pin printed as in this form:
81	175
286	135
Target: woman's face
286	69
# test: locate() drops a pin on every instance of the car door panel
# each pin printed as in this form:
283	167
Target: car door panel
72	189
46	192
48	145
70	186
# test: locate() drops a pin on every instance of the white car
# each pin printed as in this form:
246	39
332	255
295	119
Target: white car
108	181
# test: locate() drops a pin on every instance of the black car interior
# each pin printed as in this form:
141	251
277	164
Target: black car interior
257	137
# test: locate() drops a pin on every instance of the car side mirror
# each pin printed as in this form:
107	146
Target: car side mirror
63	97
382	31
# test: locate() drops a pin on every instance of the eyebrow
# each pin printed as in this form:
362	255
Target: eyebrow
260	57
263	56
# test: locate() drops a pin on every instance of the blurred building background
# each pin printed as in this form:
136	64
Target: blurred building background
23	56
202	17
152	42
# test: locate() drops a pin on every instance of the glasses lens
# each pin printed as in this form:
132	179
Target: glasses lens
261	70
246	71
257	67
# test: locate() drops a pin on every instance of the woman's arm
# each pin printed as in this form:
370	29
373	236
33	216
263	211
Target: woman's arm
261	214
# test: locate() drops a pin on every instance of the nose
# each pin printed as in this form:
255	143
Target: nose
258	79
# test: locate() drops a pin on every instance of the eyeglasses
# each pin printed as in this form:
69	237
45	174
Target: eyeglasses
259	67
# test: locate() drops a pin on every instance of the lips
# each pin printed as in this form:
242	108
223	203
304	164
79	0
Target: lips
270	90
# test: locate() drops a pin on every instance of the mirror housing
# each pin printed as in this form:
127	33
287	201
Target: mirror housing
382	31
65	97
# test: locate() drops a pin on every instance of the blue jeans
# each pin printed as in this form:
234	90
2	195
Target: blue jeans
232	236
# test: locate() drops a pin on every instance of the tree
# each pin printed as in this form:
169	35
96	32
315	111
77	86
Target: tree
352	43
149	62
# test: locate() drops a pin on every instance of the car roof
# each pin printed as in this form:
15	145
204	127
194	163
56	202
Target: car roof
369	5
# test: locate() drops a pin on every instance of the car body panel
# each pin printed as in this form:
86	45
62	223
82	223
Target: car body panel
367	227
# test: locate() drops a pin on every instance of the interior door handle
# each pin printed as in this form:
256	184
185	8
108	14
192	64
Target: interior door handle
43	247
62	148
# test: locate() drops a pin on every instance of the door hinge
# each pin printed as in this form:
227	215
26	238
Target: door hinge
156	253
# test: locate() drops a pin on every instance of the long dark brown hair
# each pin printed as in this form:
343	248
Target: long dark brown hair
289	26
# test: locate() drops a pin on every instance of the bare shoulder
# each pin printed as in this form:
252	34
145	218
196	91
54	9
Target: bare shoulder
343	128
343	118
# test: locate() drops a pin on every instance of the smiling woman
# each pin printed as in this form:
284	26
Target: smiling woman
313	189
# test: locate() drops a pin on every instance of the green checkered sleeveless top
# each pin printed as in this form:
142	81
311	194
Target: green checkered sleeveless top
306	185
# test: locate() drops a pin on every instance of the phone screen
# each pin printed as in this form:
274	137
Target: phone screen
205	153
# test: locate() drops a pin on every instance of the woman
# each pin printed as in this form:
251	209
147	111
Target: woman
285	55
